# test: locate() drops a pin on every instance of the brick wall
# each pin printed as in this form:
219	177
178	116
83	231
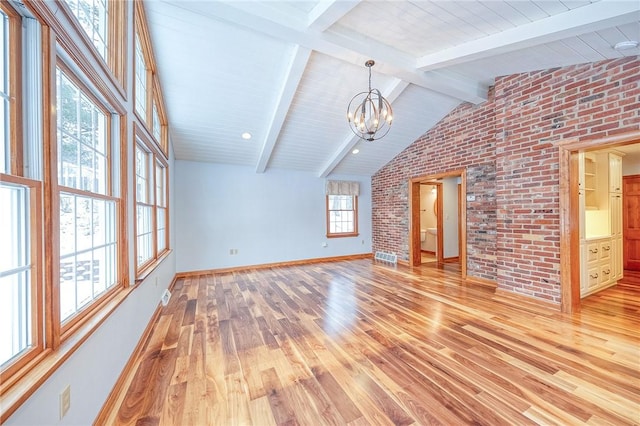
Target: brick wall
508	147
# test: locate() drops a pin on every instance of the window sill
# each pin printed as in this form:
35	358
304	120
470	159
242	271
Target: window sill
345	235
36	372
148	269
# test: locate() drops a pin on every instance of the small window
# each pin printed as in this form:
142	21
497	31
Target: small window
104	23
93	18
148	96
5	95
141	80
161	206
157	126
342	215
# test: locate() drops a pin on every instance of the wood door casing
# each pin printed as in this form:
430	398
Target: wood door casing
631	222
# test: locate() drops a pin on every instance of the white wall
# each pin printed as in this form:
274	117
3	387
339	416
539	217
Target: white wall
428	217
631	164
270	217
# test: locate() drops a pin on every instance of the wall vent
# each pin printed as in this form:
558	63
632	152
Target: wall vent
386	257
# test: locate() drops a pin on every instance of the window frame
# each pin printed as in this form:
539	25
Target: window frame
328	211
155	157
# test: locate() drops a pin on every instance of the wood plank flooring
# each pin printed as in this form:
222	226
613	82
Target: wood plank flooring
356	343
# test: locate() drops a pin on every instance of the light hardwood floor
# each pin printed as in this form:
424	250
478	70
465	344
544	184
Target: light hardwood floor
362	343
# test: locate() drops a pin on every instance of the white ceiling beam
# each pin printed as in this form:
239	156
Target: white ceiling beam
348	48
391	94
290	84
593	17
328	12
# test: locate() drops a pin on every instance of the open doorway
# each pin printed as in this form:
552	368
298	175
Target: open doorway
438	219
430	222
570	212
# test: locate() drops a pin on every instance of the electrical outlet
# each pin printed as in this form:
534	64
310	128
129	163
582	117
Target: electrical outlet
65	401
324	244
233	251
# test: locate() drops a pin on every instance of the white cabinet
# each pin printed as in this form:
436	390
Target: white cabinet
616	236
597	271
615	173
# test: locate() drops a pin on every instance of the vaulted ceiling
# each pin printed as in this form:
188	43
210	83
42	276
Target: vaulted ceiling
284	71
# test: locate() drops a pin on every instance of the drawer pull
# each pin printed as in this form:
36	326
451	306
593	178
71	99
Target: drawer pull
608	271
594	251
593	277
607	248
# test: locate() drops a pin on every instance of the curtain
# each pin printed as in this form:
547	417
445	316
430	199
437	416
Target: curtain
342	187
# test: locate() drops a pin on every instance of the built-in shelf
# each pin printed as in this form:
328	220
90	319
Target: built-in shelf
601	220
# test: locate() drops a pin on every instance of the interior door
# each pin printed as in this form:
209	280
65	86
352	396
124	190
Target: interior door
631	222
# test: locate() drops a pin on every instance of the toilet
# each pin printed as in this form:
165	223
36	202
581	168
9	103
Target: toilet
423	235
430	241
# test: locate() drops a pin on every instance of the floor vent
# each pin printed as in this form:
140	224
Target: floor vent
166	295
386	257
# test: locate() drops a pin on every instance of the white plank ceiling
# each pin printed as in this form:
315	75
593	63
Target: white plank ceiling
285	71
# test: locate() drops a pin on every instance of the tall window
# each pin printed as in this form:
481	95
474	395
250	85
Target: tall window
88	211
342	208
20	215
151	205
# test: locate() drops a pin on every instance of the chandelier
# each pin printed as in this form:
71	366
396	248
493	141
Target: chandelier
369	113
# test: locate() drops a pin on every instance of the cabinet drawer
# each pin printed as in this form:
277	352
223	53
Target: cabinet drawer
605	274
605	250
593	252
593	277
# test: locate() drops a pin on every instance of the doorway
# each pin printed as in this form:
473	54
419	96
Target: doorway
631	222
449	207
570	265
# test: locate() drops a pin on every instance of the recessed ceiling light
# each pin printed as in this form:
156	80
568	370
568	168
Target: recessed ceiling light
626	45
355	151
246	136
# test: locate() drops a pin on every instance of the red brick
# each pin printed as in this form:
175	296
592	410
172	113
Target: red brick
508	147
